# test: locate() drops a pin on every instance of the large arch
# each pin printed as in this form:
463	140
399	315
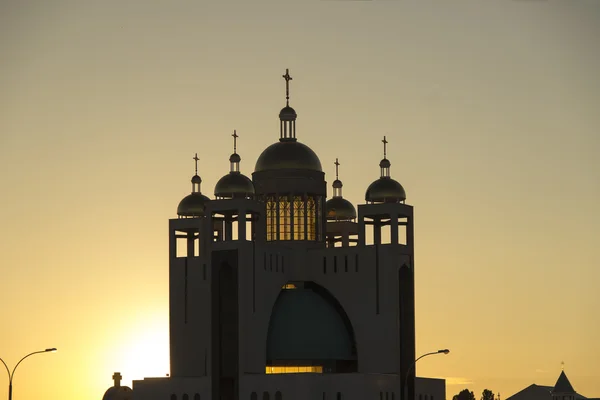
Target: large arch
309	331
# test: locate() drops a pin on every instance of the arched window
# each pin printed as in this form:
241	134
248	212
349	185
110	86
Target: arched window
186	397
253	396
278	395
197	396
265	395
173	397
339	396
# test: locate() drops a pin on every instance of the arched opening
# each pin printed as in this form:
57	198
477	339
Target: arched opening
309	331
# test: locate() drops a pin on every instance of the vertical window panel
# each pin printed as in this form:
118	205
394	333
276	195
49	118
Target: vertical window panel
311	218
284	219
298	218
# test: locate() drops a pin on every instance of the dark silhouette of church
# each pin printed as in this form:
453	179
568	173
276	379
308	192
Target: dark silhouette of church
278	292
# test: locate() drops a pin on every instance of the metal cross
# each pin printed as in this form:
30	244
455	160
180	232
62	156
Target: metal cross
385	142
235	136
562	365
337	164
117	378
287	78
196	160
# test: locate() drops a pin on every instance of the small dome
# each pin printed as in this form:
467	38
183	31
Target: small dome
385	163
118	393
196	179
235	157
385	190
337	184
234	185
287	113
288	154
192	205
339	209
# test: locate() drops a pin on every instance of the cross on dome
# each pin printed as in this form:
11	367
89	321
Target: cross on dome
117	379
287	78
196	159
337	164
385	142
235	136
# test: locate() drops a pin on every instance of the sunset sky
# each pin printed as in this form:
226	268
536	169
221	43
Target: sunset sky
491	109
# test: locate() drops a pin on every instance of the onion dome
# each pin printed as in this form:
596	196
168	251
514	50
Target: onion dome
235	184
338	208
385	189
192	205
118	392
288	153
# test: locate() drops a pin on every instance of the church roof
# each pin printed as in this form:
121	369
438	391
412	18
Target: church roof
533	392
563	385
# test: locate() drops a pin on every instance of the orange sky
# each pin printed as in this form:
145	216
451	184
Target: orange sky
490	108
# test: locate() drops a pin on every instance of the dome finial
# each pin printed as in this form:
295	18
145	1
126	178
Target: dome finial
385	163
287	115
196	159
337	184
117	379
196	180
287	78
235	158
235	136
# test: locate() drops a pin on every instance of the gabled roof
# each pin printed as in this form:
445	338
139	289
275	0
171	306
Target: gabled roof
533	392
563	385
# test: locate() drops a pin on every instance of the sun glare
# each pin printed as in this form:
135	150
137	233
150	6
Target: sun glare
144	354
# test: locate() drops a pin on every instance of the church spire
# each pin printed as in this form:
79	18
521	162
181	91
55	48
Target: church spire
287	78
385	163
196	180
337	184
287	115
234	159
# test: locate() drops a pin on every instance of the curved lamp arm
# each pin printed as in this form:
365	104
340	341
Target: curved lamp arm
443	351
11	375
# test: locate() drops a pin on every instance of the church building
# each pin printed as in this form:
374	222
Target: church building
562	390
278	293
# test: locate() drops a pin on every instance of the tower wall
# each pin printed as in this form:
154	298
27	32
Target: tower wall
189	300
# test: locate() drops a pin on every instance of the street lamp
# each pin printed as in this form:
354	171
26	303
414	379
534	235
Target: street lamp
12	374
405	389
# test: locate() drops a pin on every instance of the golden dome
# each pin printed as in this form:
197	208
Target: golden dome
385	190
339	209
192	205
234	185
288	154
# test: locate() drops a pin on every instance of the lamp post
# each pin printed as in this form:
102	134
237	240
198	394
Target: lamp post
405	388
12	374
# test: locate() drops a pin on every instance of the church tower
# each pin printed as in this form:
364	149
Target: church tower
290	181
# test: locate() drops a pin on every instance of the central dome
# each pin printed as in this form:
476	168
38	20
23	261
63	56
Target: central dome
288	154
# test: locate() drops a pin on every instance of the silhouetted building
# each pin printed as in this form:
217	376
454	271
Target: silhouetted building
118	392
276	293
562	390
